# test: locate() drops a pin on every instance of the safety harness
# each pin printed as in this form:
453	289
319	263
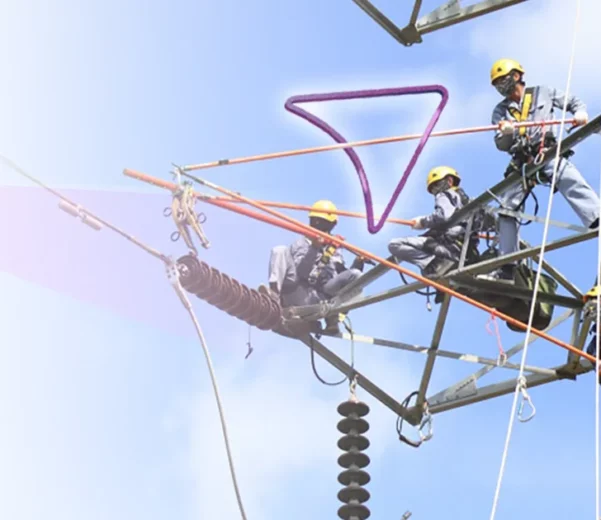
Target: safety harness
455	243
525	152
327	254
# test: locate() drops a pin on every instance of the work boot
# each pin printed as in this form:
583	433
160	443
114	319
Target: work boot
504	274
438	267
595	224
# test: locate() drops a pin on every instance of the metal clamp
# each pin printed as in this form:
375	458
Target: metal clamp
353	389
502	359
426	422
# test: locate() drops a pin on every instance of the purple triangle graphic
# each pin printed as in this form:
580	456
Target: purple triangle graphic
291	106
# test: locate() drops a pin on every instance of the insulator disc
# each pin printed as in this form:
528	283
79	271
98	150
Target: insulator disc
351	441
357	459
348	476
349	408
356	493
354	511
356	425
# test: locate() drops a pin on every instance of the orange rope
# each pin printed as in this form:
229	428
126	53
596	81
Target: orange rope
301	207
367	142
316	234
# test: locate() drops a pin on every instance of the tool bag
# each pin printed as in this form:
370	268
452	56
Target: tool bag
517	308
525	277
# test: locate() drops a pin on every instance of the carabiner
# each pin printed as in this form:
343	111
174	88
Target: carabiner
525	399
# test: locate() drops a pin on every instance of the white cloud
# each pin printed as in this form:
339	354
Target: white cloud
539	35
282	425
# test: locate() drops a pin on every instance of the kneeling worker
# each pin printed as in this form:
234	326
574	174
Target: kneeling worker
308	272
437	251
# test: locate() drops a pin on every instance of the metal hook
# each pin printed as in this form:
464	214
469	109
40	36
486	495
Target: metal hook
167	212
177	174
426	421
175	236
525	399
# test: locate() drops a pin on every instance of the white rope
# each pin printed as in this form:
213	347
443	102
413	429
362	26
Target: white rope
521	379
596	378
174	278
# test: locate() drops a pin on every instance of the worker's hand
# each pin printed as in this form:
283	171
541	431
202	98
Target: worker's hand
418	223
506	127
358	263
580	118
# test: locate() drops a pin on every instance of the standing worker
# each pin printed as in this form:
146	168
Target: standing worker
309	272
522	104
437	251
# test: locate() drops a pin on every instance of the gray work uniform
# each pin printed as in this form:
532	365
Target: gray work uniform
294	270
420	251
569	181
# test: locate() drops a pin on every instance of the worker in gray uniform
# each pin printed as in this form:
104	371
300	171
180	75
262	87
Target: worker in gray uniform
309	272
438	250
522	104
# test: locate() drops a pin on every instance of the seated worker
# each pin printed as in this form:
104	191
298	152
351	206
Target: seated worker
308	272
436	252
521	104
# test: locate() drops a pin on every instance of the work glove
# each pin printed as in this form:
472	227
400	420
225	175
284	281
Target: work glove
418	223
580	118
506	127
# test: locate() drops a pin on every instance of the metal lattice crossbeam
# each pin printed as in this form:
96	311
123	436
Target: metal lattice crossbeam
466	391
448	14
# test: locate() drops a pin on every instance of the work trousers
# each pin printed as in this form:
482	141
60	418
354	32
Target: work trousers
569	182
414	251
282	272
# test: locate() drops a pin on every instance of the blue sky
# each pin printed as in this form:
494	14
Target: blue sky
107	406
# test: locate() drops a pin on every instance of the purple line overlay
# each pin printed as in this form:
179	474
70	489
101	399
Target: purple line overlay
291	106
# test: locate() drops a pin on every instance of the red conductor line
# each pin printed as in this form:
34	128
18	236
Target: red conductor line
283	221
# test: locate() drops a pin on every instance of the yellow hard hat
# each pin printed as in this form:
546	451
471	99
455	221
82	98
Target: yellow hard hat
593	293
440	172
503	67
323	209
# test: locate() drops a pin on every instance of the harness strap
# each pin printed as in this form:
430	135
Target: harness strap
526	104
326	256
